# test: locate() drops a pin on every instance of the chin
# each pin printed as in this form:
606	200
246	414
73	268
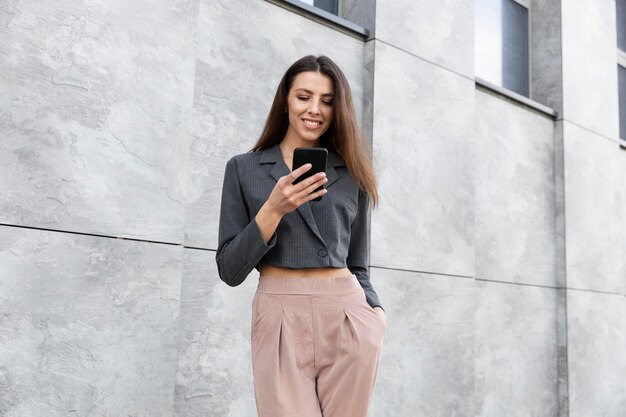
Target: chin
310	137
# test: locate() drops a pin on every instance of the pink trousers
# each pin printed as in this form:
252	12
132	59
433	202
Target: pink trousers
316	346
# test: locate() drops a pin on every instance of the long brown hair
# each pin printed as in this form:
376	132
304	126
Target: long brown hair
343	135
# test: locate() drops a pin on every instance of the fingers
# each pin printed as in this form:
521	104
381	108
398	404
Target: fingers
313	181
313	185
296	173
294	195
309	195
318	178
307	182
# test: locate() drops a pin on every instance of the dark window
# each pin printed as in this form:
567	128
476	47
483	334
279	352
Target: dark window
621	24
515	47
502	44
331	6
621	75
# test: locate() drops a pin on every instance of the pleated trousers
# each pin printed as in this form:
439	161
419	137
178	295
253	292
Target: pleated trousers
316	347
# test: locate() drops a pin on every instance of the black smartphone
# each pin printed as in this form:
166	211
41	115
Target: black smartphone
316	157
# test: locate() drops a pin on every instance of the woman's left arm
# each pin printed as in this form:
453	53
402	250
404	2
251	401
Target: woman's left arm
358	252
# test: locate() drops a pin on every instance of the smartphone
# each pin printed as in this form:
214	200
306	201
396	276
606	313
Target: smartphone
316	157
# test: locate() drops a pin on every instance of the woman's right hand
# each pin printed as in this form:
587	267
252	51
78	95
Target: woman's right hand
286	197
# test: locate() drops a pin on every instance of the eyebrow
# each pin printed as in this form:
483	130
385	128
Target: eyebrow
311	92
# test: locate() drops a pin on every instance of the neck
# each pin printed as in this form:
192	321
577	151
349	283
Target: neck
289	144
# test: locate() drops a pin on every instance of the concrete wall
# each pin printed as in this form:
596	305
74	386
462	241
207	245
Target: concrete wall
93	101
594	225
422	250
497	250
516	314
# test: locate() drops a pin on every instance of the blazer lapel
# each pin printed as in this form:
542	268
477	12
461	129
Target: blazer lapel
280	169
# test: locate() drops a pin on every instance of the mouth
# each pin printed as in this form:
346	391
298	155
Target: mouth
311	124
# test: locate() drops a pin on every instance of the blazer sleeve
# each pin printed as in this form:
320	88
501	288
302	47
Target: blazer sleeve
240	244
358	253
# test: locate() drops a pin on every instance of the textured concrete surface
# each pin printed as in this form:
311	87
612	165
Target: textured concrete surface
595	198
440	32
361	12
88	325
597	353
427	365
424	165
590	65
214	367
90	114
516	355
545	50
515	206
561	272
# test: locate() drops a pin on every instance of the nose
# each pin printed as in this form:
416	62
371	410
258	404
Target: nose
314	107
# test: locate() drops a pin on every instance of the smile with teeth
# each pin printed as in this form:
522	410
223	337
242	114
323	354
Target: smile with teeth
311	123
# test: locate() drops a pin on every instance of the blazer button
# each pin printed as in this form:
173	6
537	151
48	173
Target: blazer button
322	253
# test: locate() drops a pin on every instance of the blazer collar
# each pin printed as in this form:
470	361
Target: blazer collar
273	155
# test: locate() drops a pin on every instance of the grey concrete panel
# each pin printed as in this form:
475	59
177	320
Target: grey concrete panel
368	90
545	52
91	99
595	198
361	12
423	136
235	83
590	65
516	350
209	152
214	370
441	32
427	364
559	200
561	270
597	354
515	200
562	352
88	325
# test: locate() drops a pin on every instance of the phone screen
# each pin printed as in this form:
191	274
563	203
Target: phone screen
316	157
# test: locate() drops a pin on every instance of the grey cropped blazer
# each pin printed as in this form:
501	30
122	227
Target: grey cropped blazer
332	232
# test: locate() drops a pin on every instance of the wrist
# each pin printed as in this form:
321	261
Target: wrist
270	212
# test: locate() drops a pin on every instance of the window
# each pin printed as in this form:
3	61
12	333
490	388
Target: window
621	77
331	6
349	16
620	6
502	43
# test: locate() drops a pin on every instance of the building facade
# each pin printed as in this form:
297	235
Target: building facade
498	249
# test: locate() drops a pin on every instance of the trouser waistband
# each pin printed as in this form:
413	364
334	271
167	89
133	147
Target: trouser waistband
301	285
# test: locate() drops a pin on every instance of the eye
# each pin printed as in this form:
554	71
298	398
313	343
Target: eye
303	98
328	102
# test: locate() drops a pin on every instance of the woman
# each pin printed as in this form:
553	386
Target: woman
317	324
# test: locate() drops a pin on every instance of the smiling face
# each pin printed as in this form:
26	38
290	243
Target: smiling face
310	108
